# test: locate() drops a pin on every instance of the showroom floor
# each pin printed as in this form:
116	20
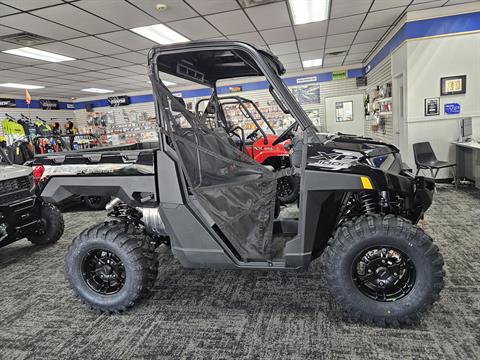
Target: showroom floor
195	314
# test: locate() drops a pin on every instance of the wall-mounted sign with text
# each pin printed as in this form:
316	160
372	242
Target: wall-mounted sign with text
8	103
306	80
71	106
121	100
452	108
339	75
47	104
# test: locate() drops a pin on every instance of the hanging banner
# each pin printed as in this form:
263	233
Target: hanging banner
47	104
121	100
306	80
8	103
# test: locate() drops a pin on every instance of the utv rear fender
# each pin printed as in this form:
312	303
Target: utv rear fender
136	191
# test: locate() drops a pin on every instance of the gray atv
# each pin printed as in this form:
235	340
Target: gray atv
22	213
358	205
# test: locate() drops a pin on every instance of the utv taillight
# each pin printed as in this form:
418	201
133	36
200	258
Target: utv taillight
37	172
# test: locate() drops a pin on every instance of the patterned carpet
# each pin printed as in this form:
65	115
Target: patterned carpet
204	314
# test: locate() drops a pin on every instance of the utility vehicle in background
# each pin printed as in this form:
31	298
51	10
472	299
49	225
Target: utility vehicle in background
357	205
22	213
258	144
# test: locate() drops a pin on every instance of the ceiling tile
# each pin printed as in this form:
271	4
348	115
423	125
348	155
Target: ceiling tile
35	25
333	61
360	48
212	6
118	11
356	57
370	35
425	5
176	10
7	31
347	24
311	44
61	68
6	66
37	71
27	5
340	39
7	46
15	74
278	35
95	44
289	58
284	48
87	65
388	4
79	77
76	18
138	69
133	57
269	16
111	62
194	29
251	38
312	30
340	8
116	72
232	22
382	18
67	50
311	55
7	10
455	2
128	40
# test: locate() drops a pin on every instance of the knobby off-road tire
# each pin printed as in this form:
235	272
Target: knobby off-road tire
389	232
52	227
129	254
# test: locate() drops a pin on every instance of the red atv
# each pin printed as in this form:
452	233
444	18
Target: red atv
258	144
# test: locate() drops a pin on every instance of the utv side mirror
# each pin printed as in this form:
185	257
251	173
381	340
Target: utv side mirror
178	108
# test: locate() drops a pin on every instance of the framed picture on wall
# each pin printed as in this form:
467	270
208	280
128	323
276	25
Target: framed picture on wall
344	111
432	106
453	85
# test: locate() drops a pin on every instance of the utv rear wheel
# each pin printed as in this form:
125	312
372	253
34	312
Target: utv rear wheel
51	228
384	270
288	189
110	268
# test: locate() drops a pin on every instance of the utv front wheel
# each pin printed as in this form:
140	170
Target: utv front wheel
384	270
110	268
51	226
288	189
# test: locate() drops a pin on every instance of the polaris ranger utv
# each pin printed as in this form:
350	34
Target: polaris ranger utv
22	213
357	205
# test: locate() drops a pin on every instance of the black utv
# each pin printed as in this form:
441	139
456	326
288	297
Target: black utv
218	206
22	213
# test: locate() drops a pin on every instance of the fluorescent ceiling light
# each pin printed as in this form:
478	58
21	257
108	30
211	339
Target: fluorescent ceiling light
165	82
22	86
97	91
308	11
160	34
38	54
312	63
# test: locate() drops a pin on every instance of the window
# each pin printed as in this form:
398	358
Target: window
343	111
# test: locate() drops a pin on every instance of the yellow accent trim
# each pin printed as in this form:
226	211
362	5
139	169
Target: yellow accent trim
366	183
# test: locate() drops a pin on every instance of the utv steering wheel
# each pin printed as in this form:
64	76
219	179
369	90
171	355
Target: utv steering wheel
287	134
252	135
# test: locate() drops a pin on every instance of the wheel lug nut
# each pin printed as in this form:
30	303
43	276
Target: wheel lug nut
381	283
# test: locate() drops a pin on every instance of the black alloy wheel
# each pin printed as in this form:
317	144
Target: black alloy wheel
383	273
103	272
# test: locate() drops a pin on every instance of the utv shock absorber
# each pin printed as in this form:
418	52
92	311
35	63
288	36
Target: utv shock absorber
370	202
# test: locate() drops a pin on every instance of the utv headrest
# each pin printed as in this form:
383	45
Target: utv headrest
210	109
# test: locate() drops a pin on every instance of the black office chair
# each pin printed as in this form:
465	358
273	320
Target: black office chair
425	159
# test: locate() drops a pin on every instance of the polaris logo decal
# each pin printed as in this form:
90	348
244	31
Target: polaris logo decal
335	160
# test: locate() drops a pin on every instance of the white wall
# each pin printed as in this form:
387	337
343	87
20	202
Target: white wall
429	60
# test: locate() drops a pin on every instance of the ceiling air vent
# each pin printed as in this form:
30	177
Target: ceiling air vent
248	3
25	39
337	53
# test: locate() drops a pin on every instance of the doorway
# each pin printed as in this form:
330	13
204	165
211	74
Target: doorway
345	114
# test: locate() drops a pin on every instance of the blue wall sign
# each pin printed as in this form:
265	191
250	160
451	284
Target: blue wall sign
452	108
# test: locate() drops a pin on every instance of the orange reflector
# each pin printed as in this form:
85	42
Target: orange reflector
366	183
